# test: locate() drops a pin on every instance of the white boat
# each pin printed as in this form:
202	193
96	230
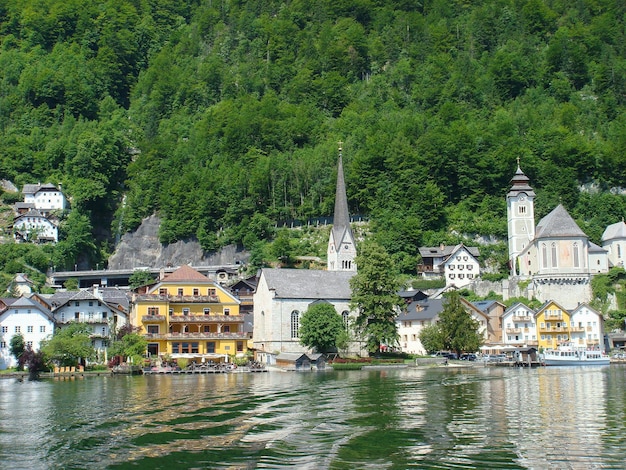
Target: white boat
569	355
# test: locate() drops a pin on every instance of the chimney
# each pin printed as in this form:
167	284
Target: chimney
442	246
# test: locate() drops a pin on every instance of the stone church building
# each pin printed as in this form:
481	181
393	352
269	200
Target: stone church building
555	255
283	295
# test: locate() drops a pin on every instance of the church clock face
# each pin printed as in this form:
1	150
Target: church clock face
522	198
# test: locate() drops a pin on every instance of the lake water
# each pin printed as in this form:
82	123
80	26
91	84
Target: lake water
478	417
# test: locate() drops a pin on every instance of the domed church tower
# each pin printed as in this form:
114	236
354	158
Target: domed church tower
520	212
341	244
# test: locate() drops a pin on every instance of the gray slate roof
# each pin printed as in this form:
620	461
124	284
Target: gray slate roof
558	223
422	310
446	250
309	283
614	231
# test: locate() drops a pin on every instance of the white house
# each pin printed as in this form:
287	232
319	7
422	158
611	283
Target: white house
457	264
28	318
518	326
614	241
587	327
34	226
409	323
45	197
461	267
104	309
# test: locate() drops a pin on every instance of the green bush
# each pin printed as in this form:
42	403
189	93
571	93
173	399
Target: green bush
347	365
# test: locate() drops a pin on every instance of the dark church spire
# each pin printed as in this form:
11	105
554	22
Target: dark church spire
341	244
341	220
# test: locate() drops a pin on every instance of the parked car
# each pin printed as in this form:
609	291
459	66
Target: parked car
468	357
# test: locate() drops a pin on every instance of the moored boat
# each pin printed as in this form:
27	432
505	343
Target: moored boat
569	355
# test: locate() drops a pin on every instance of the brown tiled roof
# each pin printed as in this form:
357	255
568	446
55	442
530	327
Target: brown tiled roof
184	274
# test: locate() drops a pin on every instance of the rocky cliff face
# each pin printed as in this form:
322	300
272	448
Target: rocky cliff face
143	249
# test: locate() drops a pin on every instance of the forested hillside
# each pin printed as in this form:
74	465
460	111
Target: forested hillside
223	116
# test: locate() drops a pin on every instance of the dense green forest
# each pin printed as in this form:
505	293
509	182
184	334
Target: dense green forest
223	116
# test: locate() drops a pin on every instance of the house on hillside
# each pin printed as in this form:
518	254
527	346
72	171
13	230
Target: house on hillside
34	226
21	285
26	317
457	264
46	197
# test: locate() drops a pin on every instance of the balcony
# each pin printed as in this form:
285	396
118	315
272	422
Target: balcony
513	331
206	319
520	319
178	299
89	321
554	329
196	335
553	316
153	318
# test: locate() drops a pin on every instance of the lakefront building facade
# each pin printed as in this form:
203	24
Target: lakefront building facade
185	314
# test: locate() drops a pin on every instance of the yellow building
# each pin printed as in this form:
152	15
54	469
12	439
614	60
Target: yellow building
553	325
186	314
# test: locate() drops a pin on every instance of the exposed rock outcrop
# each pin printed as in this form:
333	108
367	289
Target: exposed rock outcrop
143	249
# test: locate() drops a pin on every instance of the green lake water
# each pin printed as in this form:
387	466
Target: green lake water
477	417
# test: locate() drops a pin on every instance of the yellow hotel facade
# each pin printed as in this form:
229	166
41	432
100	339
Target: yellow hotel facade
185	314
553	325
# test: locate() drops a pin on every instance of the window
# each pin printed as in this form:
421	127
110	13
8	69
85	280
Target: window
91	303
452	267
104	331
206	311
171	310
42	328
5	329
185	311
76	315
469	267
451	276
90	315
345	316
210	347
162	291
211	292
295	323
76	304
226	311
521	209
153	329
239	346
29	329
180	291
544	255
226	329
29	344
196	291
153	310
104	315
553	249
206	328
17	329
619	251
576	256
3	344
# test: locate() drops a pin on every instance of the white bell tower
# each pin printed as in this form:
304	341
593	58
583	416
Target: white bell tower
520	210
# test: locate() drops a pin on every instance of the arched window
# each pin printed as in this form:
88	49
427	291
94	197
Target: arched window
553	249
544	256
345	315
295	323
619	251
576	256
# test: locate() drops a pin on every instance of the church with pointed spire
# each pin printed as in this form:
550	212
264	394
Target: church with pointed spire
283	295
341	251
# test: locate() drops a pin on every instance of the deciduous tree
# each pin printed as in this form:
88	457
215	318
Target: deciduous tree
321	328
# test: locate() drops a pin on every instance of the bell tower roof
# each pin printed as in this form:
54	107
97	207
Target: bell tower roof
520	183
341	218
